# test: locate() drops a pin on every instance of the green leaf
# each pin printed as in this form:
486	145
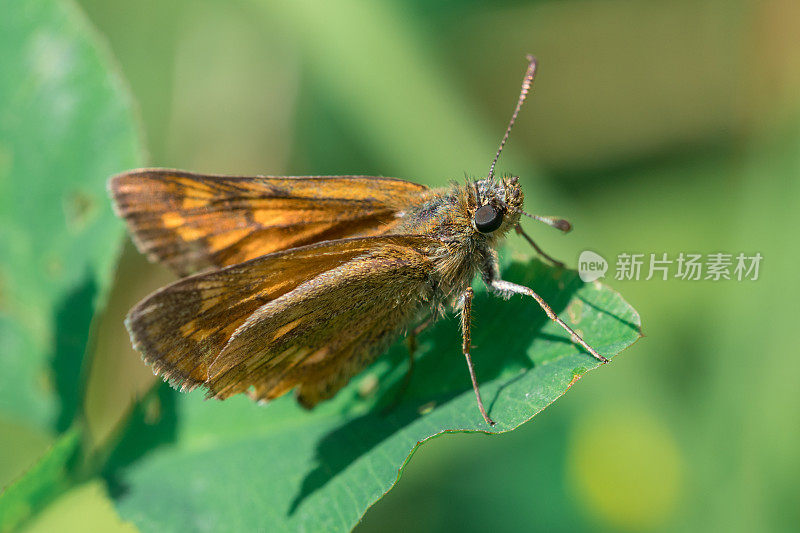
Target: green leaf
66	125
236	465
47	478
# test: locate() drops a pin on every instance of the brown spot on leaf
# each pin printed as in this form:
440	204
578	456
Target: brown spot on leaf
575	378
575	310
79	208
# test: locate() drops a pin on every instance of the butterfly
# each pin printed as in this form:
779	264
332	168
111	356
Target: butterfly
298	283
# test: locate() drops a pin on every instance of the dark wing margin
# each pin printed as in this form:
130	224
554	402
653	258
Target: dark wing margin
191	222
308	318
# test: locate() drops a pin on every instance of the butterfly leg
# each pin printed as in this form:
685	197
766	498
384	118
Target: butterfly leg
507	288
466	320
411	343
555	262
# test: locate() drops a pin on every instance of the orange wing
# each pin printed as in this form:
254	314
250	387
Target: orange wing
191	222
310	317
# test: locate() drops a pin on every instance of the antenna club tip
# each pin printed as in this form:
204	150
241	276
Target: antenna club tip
562	225
531	58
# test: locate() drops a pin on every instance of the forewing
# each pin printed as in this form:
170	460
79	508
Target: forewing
191	222
319	335
181	328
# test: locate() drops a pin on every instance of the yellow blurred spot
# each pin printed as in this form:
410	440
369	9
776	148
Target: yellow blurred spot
626	467
172	220
223	240
368	385
84	508
20	447
189	233
426	408
286	328
152	411
193	202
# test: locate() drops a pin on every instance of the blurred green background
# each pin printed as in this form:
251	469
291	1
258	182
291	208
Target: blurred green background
655	127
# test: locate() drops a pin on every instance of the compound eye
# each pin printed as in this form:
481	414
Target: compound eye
488	219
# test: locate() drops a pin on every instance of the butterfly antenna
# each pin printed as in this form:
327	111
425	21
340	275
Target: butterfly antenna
527	81
553	222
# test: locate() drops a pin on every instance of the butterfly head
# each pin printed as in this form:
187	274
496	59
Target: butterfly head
498	203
